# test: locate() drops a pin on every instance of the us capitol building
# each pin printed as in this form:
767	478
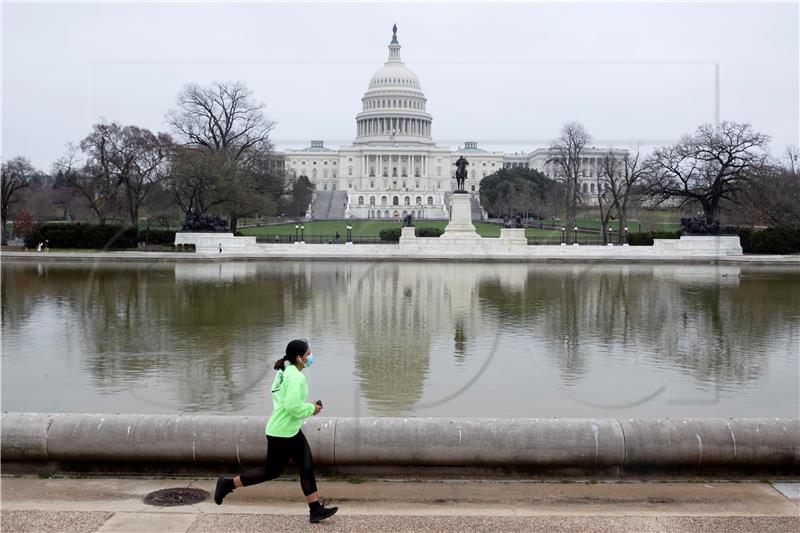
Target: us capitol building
394	167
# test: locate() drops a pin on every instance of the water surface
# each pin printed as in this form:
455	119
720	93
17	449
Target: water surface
404	339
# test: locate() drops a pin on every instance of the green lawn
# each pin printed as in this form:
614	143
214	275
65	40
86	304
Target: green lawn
638	220
371	228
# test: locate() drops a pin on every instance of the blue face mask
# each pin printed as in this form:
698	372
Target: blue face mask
310	360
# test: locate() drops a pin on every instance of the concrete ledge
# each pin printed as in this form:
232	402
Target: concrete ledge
433	442
395	253
475	441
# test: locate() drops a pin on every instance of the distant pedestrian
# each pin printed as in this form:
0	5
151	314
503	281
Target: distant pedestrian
220	247
337	237
39	247
285	439
46	245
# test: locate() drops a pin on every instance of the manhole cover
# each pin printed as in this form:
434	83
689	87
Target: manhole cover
173	497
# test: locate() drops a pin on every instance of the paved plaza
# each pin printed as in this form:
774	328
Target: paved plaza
115	504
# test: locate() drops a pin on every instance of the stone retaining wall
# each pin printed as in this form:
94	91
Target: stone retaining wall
32	438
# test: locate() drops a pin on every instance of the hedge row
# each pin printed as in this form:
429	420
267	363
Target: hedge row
770	241
393	234
84	235
646	238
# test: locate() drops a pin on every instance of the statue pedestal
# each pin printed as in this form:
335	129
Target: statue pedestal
460	226
407	234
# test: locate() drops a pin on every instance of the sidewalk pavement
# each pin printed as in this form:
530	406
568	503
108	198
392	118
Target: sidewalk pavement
115	505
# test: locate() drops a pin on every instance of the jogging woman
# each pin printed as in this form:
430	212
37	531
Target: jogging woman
285	439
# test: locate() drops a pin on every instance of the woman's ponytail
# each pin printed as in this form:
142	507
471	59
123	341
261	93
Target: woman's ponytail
279	364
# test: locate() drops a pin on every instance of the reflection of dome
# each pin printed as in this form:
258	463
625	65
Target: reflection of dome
392	340
394	105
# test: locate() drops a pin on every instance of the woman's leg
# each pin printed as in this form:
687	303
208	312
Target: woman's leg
277	458
301	455
278	453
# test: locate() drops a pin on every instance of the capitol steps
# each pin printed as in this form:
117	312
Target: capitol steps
329	205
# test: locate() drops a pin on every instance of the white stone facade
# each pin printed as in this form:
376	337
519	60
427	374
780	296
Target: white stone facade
394	167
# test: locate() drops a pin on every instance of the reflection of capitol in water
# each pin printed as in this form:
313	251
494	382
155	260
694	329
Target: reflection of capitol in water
396	312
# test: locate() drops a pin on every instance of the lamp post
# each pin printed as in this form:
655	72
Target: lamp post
302	233
625	236
563	233
349	233
610	234
296	231
576	234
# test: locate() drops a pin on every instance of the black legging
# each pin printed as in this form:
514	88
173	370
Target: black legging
279	450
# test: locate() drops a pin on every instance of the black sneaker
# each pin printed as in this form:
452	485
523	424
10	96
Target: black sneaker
224	487
321	513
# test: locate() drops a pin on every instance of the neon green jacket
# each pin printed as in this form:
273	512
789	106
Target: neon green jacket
289	407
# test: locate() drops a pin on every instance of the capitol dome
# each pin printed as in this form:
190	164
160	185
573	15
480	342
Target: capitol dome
394	74
393	108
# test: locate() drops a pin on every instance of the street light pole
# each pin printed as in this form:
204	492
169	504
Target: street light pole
302	233
563	234
576	234
296	231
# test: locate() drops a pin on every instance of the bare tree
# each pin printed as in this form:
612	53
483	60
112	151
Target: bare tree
130	159
792	155
606	178
224	122
16	175
622	176
772	196
94	182
567	154
707	167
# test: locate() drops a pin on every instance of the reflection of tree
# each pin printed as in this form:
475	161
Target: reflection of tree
714	323
205	339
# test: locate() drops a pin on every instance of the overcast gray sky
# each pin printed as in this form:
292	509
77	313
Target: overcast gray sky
505	75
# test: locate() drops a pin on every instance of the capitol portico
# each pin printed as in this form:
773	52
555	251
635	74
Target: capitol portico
394	167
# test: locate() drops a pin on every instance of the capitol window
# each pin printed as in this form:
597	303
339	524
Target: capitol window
395	200
326	162
430	200
372	171
383	200
419	200
360	200
404	184
416	184
371	184
371	200
439	171
349	171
